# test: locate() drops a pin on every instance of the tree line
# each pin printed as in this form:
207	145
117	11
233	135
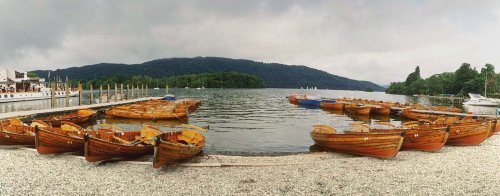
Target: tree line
461	82
207	80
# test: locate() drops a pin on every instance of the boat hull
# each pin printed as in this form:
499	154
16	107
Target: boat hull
310	102
166	152
136	115
469	133
358	110
7	139
495	128
50	142
333	106
100	150
373	145
384	111
427	140
17	135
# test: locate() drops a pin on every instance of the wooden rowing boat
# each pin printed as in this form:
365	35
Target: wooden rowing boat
13	132
409	114
77	117
380	110
422	137
148	114
384	145
495	127
468	133
111	144
356	109
172	147
333	106
68	138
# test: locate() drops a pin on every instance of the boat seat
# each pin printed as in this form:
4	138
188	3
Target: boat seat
323	129
190	137
361	128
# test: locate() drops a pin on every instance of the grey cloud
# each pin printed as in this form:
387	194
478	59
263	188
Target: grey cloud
346	38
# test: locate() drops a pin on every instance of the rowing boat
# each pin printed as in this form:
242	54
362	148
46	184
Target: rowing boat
13	132
384	145
77	117
357	109
420	137
111	144
175	146
68	138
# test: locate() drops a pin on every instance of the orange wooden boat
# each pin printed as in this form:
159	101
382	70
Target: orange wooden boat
384	145
77	117
468	133
380	110
13	132
179	145
495	127
333	106
111	144
178	113
68	138
294	98
408	114
355	109
422	137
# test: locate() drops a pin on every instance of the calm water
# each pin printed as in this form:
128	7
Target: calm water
247	121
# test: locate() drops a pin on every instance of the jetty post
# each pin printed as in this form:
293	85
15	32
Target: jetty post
66	88
132	92
91	93
100	93
146	90
166	89
52	94
108	96
142	90
116	92
80	95
128	87
121	92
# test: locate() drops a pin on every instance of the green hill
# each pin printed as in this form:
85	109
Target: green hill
274	75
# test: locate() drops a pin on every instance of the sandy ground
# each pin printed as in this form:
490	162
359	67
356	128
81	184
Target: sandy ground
473	170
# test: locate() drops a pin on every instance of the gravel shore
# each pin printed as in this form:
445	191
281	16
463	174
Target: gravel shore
473	170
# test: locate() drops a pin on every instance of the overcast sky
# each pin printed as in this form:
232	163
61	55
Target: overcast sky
379	41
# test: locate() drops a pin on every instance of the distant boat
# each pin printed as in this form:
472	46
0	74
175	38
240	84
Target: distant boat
156	88
478	100
17	86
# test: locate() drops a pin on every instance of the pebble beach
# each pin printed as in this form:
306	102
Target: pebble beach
472	170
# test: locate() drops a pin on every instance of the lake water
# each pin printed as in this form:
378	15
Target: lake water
252	121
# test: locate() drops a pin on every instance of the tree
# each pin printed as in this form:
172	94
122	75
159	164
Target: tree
489	78
32	75
464	74
413	76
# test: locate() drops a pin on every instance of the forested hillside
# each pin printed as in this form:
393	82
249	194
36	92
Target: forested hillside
274	75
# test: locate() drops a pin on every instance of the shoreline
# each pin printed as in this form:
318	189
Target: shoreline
453	170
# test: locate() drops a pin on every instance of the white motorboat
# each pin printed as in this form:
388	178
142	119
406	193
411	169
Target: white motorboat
478	100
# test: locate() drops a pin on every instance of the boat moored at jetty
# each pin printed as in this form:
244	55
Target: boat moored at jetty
17	86
478	100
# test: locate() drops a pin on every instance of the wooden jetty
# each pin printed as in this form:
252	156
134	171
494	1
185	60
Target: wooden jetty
445	113
73	108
